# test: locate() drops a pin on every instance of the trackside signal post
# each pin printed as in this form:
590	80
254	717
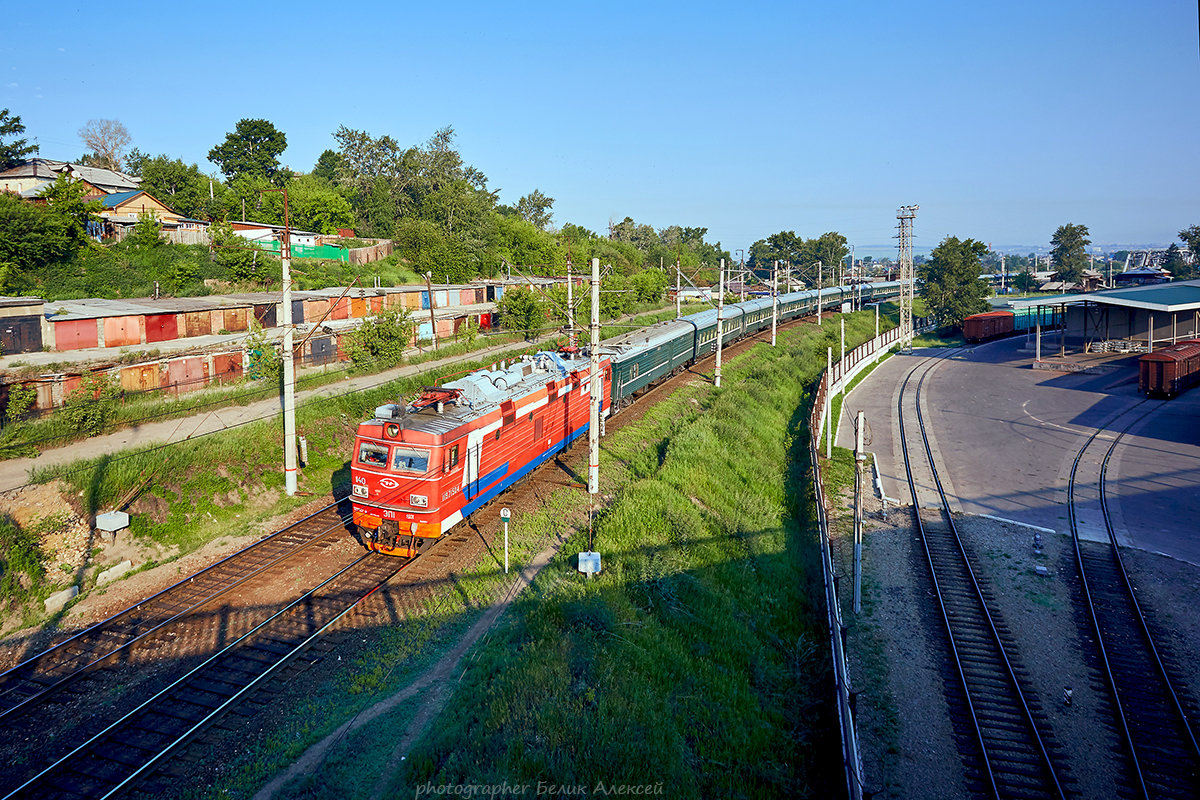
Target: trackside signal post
504	515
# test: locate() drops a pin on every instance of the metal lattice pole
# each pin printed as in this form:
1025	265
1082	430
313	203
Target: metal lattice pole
906	214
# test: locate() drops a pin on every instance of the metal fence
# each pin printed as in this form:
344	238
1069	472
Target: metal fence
840	374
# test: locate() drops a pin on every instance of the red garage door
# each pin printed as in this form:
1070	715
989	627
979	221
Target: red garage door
75	334
122	331
185	374
161	327
227	367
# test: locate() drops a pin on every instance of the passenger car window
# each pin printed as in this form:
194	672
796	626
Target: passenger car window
373	455
407	459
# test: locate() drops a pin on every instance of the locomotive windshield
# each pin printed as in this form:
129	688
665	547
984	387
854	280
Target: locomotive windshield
373	455
407	459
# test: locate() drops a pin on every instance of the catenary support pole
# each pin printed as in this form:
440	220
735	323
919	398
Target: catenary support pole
842	359
289	366
570	308
720	322
774	301
678	286
860	462
432	305
829	402
820	283
595	390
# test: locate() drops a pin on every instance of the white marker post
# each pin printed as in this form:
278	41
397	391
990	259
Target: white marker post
504	515
720	323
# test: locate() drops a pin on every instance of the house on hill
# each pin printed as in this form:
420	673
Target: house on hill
29	178
123	209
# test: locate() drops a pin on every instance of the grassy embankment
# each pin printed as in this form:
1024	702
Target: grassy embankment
697	659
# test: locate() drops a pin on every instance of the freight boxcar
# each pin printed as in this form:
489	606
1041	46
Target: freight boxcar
1170	371
990	325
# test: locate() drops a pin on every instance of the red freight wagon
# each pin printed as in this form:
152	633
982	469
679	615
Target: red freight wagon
981	327
1170	371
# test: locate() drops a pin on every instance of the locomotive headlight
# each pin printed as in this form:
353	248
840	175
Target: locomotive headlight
358	491
418	501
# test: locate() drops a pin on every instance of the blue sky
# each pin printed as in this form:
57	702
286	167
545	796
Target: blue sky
1001	120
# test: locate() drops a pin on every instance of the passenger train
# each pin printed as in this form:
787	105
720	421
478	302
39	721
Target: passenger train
419	469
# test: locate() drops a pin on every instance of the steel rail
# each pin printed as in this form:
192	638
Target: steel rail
30	787
1102	641
1042	754
24	674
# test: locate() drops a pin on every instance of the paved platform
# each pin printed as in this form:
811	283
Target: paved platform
1008	434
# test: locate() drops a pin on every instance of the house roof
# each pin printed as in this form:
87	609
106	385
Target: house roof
106	179
1169	297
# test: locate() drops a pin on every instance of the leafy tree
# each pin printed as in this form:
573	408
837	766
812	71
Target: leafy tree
951	286
649	285
106	139
1025	281
1069	255
521	310
30	237
380	340
183	187
242	261
253	148
147	233
266	363
1174	262
1190	237
13	152
534	208
329	164
66	200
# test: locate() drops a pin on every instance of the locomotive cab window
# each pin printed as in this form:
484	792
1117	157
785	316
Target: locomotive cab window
373	455
408	459
453	457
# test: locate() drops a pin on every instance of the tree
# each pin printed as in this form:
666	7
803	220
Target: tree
253	148
14	152
535	209
521	311
66	201
146	233
951	286
1173	263
241	260
183	187
30	237
1025	281
380	340
329	164
106	139
1190	237
1069	255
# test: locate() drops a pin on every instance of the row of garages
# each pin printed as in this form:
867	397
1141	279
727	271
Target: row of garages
315	346
29	324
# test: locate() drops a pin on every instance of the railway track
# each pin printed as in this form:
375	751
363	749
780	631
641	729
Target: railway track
138	743
36	679
1159	738
1014	758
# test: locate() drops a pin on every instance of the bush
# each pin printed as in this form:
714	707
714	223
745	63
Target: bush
20	400
381	339
89	408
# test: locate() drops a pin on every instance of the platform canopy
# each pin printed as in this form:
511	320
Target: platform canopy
1169	297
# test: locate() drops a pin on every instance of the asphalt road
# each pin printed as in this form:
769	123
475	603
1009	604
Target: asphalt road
1006	435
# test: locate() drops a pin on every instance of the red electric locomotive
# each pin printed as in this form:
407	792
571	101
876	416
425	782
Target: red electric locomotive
418	470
